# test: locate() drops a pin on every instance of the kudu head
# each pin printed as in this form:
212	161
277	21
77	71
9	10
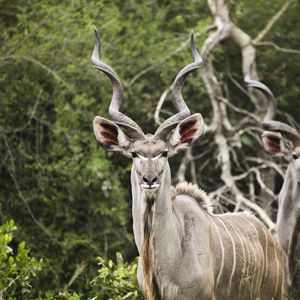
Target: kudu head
149	152
279	138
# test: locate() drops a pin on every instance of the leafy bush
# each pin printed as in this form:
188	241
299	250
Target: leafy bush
117	280
17	268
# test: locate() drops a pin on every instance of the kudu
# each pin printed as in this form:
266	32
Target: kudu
281	139
186	251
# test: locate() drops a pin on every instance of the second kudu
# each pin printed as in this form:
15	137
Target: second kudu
281	139
186	251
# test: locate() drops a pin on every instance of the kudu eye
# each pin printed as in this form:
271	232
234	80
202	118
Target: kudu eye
165	154
134	154
295	156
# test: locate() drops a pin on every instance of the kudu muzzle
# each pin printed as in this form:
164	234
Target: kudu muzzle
150	178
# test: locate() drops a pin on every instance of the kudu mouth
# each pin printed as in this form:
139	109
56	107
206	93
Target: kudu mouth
150	189
153	187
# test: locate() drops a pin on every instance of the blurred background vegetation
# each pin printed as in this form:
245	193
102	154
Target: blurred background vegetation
70	201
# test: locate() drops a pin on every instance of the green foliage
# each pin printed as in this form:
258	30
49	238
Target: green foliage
117	279
71	202
17	268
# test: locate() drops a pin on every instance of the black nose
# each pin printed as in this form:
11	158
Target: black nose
150	180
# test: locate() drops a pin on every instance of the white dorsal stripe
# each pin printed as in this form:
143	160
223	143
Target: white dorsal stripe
222	251
233	253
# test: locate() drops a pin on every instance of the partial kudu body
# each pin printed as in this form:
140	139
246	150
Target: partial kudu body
281	139
186	251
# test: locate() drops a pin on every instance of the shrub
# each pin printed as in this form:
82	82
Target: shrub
117	280
17	268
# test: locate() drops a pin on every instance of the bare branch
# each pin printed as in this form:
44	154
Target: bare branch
78	271
38	63
278	48
262	184
17	186
270	164
29	209
183	165
12	159
239	110
32	115
273	20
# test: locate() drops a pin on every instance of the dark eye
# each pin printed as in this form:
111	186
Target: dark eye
165	154
134	154
295	156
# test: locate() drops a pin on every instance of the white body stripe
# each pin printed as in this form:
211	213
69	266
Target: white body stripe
222	251
266	260
260	270
233	252
277	269
244	256
248	276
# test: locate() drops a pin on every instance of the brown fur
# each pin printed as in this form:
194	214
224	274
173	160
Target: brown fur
193	191
150	286
147	262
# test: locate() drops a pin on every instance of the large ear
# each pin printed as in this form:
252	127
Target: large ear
110	135
276	144
187	132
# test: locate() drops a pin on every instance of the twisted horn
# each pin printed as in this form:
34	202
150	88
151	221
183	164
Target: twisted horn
272	103
117	96
177	99
268	122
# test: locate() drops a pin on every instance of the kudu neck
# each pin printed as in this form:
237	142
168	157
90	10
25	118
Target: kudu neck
291	184
157	206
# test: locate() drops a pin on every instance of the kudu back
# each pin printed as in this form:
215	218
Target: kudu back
186	251
280	139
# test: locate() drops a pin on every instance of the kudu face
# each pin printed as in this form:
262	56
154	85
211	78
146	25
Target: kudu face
281	139
149	152
149	159
278	145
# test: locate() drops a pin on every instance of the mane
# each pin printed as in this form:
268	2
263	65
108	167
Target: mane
192	190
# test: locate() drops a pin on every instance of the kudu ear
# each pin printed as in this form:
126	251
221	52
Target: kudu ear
187	132
110	135
276	144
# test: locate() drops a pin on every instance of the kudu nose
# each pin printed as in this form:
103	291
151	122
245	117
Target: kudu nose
150	181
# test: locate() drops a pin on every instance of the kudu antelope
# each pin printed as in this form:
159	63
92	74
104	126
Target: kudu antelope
186	251
281	139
